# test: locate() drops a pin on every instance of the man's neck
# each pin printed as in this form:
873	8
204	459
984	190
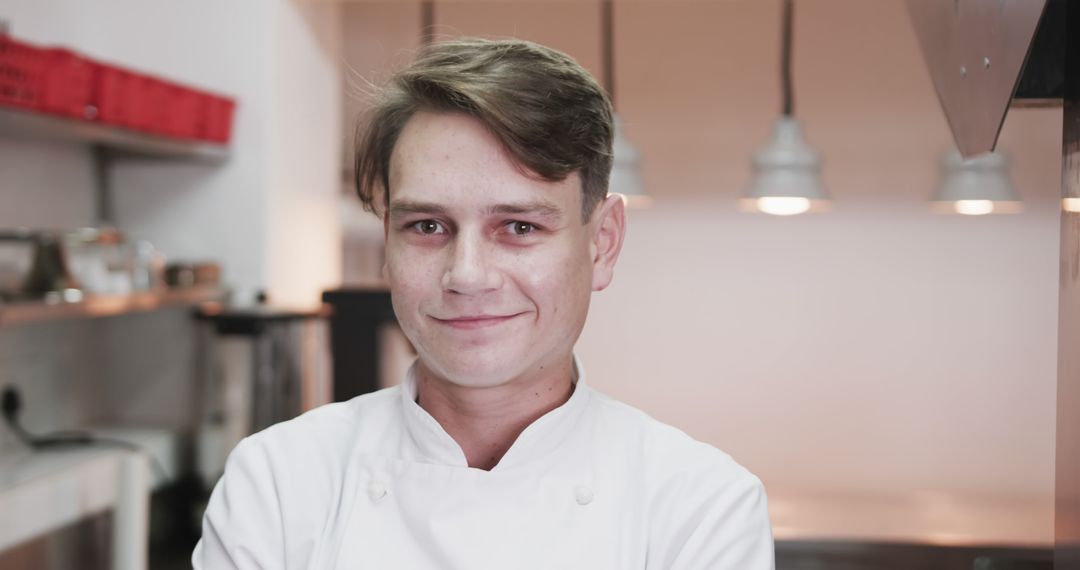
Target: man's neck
485	422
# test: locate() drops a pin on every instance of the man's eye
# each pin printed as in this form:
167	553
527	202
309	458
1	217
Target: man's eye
428	227
521	228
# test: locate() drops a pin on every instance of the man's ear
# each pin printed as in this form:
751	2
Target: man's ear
609	229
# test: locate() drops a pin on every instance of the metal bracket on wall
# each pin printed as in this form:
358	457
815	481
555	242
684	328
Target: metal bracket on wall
103	194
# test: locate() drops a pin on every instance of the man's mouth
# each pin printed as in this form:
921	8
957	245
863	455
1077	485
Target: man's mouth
475	321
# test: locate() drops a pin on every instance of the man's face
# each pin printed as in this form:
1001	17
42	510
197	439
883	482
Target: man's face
490	269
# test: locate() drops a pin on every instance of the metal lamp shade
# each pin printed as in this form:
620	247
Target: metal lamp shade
626	170
787	174
976	186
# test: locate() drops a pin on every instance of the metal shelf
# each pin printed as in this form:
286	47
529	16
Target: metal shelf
105	305
40	126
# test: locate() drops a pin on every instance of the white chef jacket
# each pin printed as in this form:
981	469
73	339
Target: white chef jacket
376	483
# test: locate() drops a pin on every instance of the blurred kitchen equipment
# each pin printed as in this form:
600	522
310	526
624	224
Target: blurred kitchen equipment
16	257
262	365
50	277
63	266
148	267
358	315
192	274
47	276
101	260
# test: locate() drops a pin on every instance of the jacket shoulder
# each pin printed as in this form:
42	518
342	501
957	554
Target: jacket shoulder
319	442
664	450
704	510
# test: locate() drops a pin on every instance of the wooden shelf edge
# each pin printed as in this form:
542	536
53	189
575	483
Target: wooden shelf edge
105	305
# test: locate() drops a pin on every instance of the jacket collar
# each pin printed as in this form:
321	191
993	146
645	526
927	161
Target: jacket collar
433	445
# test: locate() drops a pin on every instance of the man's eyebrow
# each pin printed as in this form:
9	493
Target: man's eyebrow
540	208
403	207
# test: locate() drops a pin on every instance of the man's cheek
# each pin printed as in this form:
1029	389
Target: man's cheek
401	265
550	270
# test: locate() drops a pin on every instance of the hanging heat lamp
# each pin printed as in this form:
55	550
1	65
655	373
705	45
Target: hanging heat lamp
626	168
975	186
427	22
787	172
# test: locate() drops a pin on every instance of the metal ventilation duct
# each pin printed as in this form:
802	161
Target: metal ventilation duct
975	51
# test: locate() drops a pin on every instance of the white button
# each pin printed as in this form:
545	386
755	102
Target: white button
583	494
376	491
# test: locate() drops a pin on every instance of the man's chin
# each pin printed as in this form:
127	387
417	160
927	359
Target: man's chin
470	373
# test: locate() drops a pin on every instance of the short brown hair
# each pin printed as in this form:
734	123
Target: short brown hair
544	108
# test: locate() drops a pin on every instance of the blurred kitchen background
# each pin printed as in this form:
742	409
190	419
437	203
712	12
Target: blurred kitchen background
888	368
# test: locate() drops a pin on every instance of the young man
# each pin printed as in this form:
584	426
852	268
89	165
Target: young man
489	163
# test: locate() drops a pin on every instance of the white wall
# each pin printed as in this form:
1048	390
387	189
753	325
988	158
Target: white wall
303	235
45	185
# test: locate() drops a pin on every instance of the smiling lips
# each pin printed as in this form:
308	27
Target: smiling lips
475	321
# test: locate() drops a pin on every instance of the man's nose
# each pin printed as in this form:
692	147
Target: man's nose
470	268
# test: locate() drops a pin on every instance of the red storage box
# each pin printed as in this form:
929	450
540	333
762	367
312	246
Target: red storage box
128	99
217	126
55	81
183	111
146	98
61	81
111	87
22	73
68	84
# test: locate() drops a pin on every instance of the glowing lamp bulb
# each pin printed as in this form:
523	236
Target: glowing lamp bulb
974	207
783	206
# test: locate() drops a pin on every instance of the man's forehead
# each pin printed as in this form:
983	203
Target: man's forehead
433	137
451	161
